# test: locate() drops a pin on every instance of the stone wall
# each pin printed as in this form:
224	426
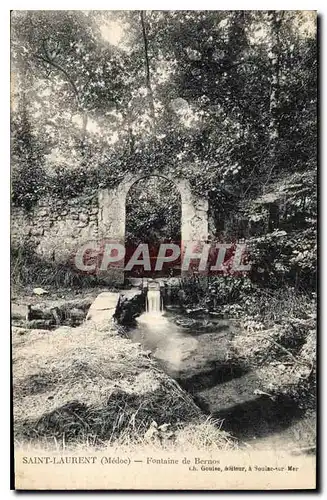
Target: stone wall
56	227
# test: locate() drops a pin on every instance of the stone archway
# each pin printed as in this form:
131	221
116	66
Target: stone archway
112	210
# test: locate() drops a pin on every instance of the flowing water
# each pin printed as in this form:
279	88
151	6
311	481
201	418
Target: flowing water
154	302
195	353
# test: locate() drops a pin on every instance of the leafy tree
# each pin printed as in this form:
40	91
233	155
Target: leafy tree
226	99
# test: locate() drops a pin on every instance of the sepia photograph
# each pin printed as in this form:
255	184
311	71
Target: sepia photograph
164	249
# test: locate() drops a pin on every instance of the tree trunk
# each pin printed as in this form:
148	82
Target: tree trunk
274	56
131	139
147	67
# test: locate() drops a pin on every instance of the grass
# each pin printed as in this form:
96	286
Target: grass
89	386
27	268
274	306
278	340
277	334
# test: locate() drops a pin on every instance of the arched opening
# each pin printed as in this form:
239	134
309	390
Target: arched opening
153	217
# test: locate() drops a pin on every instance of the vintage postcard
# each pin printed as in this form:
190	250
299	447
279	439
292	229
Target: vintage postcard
163	249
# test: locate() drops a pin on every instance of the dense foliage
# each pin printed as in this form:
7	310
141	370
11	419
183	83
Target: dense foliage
226	99
153	212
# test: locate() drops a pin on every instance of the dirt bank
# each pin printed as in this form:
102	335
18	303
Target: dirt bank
89	385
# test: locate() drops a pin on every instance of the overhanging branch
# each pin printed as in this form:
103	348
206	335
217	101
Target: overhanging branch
147	65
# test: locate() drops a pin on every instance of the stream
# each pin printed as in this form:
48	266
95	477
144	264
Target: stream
195	353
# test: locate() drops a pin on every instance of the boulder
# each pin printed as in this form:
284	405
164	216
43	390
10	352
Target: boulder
130	306
104	307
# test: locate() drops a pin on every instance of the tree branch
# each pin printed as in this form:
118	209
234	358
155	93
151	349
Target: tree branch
48	60
147	65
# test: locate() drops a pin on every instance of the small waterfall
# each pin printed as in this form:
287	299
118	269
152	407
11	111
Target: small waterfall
154	303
